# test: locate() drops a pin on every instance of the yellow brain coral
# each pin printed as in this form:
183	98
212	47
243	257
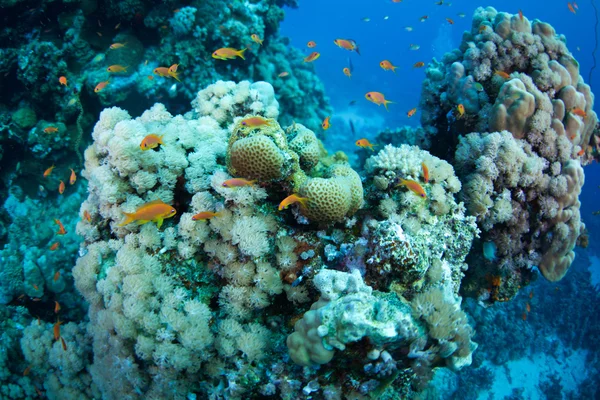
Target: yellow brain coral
256	157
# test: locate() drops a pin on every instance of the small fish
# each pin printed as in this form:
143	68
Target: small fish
156	211
99	87
424	18
482	28
87	216
98	58
56	329
116	46
571	8
581	152
461	15
528	307
364	143
411	112
36	299
347	44
27	370
151	141
64	344
56	276
253	122
387	66
531	294
386	17
237	182
450	21
72	102
150	77
51	129
54	246
99	34
283	74
256	39
205	215
579	112
164	72
378	98
502	74
408	28
352	102
63	80
419	64
366	19
461	110
524	316
414	46
347	72
521	15
413	186
575	6
228	53
35	286
326	124
478	86
116	69
61	228
312	56
61	187
425	172
312	44
292	199
73	177
56	307
117	26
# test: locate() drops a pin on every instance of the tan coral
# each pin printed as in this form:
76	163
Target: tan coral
513	107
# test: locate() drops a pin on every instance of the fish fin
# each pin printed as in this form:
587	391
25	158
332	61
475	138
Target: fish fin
303	201
174	75
143	221
129	218
241	53
159	222
394	69
385	103
160	139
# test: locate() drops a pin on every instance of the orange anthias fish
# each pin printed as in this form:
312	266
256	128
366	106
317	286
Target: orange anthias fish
419	64
156	211
292	199
63	80
116	69
347	72
151	142
237	182
56	276
521	15
386	65
461	110
256	39
413	186
99	87
27	370
253	122
531	294
51	129
347	44
579	112
116	46
56	329
364	143
168	72
411	112
425	172
54	246
64	344
56	307
528	307
524	317
205	215
326	124
450	21
228	53
502	74
312	44
571	8
378	98
581	152
72	178
87	216
61	187
312	56
61	228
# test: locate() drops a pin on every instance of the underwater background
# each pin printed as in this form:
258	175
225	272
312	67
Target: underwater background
294	199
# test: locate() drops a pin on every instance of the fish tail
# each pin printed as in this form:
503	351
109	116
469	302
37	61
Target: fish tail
394	69
175	76
385	103
241	53
129	218
303	201
357	51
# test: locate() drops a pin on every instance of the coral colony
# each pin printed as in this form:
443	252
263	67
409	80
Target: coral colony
354	287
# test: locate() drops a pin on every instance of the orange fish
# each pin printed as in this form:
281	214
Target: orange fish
27	370
461	110
283	74
386	65
56	307
73	177
524	316
237	182
253	122
64	344
528	307
56	276
87	216
51	129
413	186
63	80
531	294
364	143
228	53
311	44
48	171
256	39
54	246
502	74
156	211
61	228
378	98
579	112
482	28
419	64
571	8
56	329
347	44
166	72
150	77
347	72
116	69
116	46
581	152
425	172
35	286
151	141
411	112
36	298
205	215
521	15
292	199
173	68
450	21
61	187
99	87
325	124
312	56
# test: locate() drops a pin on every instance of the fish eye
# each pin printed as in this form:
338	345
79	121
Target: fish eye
368	95
173	210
